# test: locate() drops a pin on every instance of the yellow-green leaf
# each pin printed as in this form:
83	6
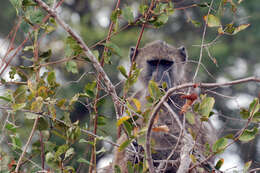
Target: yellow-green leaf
220	145
240	28
219	164
137	104
190	118
37	105
247	166
248	135
121	120
212	21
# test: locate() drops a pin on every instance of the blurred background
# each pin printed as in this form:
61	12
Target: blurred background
237	56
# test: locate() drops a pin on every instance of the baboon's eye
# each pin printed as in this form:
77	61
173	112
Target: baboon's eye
164	63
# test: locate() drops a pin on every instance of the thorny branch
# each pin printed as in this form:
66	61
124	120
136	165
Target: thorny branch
166	96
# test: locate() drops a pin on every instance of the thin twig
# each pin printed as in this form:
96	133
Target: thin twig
27	144
87	52
202	42
166	96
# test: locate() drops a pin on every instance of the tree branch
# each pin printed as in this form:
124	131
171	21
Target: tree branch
26	145
87	52
172	90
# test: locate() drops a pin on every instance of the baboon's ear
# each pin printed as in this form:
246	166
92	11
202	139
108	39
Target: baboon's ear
183	53
131	53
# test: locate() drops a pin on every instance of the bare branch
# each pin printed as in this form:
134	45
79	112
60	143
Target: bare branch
26	145
87	52
172	90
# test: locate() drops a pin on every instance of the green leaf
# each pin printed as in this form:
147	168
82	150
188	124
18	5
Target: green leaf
123	71
220	145
36	16
61	150
247	166
42	124
6	98
206	106
212	21
124	145
18	106
17	5
190	118
114	48
82	160
154	90
11	127
128	14
69	153
90	89
195	23
244	113
248	135
219	164
72	67
51	78
101	120
254	106
16	142
143	9
161	20
117	169
115	14
20	94
72	47
37	105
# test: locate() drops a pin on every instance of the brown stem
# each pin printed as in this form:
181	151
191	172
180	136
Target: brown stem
166	96
26	145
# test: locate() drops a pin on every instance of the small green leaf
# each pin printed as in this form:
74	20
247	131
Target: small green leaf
123	71
124	145
117	169
247	166
160	20
18	106
248	135
69	153
220	145
51	78
11	127
42	124
195	23
8	99
254	106
115	14
219	164
128	14
72	67
82	160
206	106
143	9
37	105
61	150
20	94
212	21
16	142
101	120
114	48
244	113
190	118
154	90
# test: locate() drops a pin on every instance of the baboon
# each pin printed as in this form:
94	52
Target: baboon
163	63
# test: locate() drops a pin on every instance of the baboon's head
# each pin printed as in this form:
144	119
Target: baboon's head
161	62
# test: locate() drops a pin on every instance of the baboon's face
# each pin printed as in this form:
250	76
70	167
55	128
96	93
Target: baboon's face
161	62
